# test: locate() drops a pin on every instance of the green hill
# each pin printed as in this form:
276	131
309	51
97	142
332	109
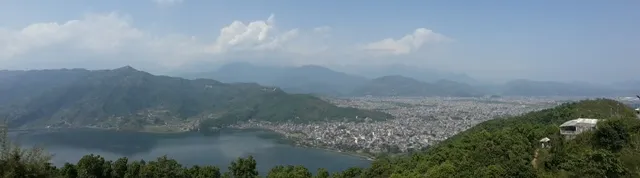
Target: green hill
131	99
506	147
19	85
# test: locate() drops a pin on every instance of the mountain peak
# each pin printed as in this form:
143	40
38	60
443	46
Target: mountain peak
126	68
396	78
315	68
312	66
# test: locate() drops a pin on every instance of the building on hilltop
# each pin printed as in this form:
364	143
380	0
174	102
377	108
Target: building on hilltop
638	109
574	127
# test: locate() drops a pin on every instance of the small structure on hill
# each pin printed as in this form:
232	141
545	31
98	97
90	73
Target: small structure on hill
574	127
638	109
545	142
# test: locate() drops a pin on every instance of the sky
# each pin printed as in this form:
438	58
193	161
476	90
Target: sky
570	40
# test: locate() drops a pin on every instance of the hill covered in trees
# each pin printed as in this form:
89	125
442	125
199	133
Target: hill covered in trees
504	147
126	98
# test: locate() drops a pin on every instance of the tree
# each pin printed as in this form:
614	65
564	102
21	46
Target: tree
120	167
353	172
162	167
204	172
91	166
69	171
612	134
18	162
322	173
380	168
243	168
133	169
443	170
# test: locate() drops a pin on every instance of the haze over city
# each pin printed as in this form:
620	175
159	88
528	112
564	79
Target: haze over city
488	40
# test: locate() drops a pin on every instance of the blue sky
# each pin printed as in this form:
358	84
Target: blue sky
585	40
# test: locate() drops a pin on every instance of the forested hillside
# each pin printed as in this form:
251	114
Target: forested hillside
505	147
17	85
126	98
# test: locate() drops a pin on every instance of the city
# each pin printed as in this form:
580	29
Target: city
418	123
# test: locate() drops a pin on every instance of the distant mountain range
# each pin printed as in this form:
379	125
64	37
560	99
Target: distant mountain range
545	88
628	85
304	79
418	73
126	98
396	85
324	81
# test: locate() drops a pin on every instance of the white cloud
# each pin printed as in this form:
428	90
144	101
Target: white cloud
99	33
167	2
256	35
108	40
408	43
93	36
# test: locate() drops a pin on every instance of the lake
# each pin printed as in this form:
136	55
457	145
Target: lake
217	149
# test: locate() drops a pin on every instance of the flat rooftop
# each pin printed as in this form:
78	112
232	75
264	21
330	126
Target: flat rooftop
580	122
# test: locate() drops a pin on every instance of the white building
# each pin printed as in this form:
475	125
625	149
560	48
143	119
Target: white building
545	142
574	127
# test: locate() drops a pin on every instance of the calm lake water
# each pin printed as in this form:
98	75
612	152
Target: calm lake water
217	149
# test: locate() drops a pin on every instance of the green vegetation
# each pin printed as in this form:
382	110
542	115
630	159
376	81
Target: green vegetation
126	98
504	147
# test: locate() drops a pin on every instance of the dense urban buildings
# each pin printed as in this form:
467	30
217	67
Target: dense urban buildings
418	123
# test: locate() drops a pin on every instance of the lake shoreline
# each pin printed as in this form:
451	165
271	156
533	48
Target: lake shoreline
69	145
281	138
292	141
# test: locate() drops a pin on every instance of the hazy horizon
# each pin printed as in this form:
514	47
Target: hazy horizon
591	41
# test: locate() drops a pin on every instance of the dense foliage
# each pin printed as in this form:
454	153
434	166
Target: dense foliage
504	147
16	85
126	98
